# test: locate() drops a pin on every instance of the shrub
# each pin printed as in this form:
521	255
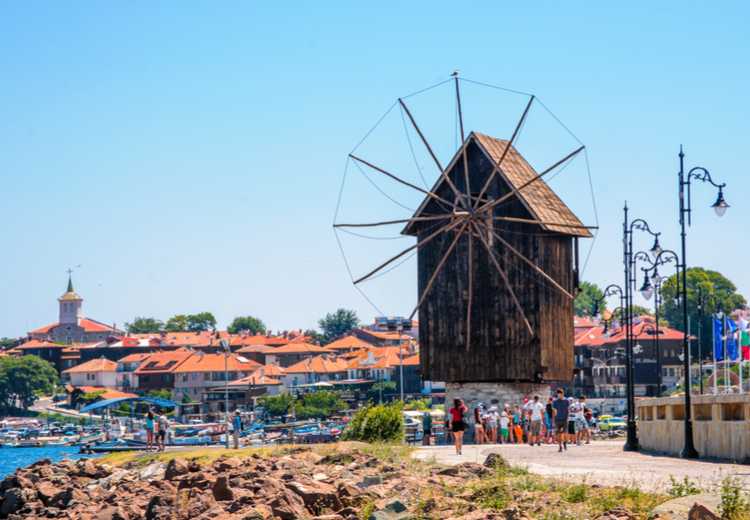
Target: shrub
418	404
383	422
682	488
734	505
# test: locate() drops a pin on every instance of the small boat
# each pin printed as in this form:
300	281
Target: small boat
116	445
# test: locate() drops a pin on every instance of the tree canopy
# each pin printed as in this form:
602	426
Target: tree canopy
250	323
719	294
6	343
338	323
191	322
589	295
143	325
23	379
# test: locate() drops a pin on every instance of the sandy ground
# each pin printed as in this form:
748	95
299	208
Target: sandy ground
602	462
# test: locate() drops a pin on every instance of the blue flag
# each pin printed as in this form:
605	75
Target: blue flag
733	350
718	346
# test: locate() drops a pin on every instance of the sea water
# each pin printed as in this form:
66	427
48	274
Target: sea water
14	458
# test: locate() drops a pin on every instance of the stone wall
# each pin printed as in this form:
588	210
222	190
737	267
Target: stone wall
493	393
720	425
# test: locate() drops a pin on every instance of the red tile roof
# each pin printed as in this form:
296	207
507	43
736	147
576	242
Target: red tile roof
35	344
87	324
299	348
95	365
215	363
317	365
107	393
347	343
163	362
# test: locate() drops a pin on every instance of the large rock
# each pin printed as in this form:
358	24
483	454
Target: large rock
112	513
175	468
47	492
316	495
288	505
227	463
701	512
13	501
221	489
494	461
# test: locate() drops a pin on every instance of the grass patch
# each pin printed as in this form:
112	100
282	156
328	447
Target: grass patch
576	493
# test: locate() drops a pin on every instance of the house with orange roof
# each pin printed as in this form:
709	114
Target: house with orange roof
348	344
314	370
294	352
61	355
72	326
207	370
97	372
75	394
157	371
127	379
600	366
385	364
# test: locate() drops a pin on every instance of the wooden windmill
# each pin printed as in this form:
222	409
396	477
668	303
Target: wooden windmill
497	257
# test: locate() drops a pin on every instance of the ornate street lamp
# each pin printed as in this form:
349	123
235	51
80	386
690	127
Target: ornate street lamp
720	207
628	228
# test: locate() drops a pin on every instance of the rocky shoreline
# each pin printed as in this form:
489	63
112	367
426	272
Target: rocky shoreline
341	483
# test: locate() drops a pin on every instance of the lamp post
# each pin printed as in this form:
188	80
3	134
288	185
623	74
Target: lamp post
225	347
651	274
628	229
720	207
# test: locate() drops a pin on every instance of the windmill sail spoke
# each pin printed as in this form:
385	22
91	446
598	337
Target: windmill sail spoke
526	260
543	223
399	180
439	268
399	221
504	276
496	167
443	174
422	242
508	195
470	299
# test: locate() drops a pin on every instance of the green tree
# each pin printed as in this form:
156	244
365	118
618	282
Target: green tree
177	323
377	423
316	338
201	322
249	323
338	323
142	325
6	343
24	379
318	405
719	294
638	310
589	295
277	405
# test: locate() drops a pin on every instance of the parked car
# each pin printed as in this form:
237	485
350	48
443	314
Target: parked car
609	423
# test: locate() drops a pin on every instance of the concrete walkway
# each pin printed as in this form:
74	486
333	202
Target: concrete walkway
602	462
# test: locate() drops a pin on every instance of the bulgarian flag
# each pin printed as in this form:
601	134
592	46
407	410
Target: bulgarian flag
745	344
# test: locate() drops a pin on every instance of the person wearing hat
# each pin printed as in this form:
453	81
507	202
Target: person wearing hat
236	428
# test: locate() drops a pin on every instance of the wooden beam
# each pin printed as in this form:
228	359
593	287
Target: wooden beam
505	197
402	253
504	276
439	268
460	112
496	167
526	260
443	173
399	221
470	273
405	183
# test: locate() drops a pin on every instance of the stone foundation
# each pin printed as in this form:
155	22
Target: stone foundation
494	393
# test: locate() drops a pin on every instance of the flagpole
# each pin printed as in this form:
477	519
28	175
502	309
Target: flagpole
713	351
724	350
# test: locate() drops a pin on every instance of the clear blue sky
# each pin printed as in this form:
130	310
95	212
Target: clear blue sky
188	155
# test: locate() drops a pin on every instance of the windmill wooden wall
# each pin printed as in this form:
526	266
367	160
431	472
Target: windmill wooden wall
500	347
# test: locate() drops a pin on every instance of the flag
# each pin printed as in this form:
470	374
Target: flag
718	345
745	344
733	352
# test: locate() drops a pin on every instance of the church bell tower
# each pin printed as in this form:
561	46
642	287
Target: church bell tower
70	305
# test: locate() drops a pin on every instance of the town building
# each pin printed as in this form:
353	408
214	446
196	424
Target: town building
61	355
314	370
293	352
203	371
156	372
97	372
72	326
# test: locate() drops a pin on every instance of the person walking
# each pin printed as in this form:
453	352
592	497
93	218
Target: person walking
504	437
426	428
163	424
149	430
479	433
536	412
457	423
236	429
561	407
549	413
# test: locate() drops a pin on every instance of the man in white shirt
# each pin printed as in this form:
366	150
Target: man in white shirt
536	412
576	415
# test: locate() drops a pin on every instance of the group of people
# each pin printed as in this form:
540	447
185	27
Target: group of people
157	429
562	420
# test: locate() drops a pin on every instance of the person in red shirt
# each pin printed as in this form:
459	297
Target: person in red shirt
458	424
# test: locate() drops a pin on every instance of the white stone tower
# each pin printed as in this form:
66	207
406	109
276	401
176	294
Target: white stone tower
70	305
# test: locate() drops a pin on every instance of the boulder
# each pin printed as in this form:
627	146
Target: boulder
47	492
175	468
288	505
258	512
226	464
370	480
316	495
112	513
221	489
13	501
701	512
495	460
